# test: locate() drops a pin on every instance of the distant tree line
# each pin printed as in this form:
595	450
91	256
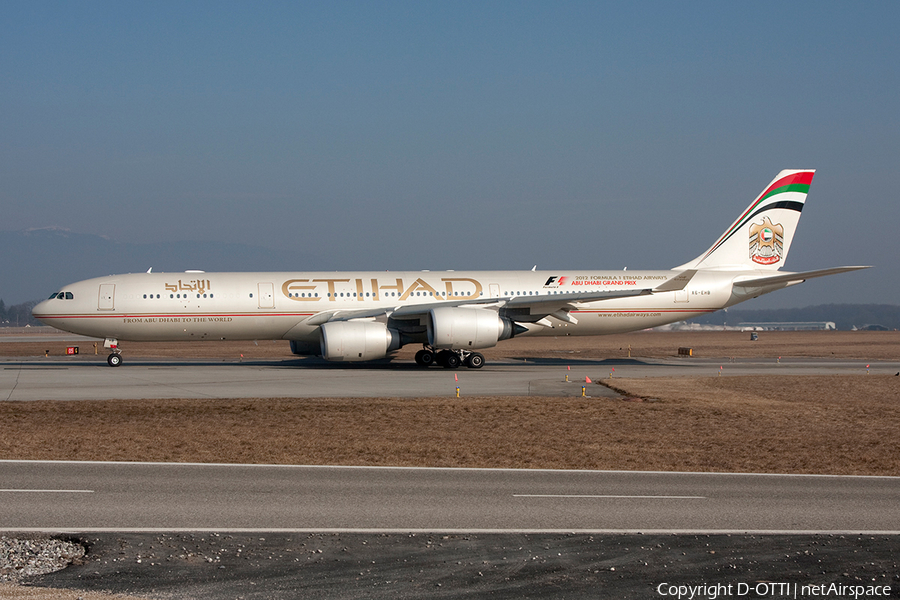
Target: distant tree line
844	316
17	315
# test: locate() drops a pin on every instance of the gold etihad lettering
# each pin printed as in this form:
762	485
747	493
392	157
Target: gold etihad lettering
418	286
331	295
194	285
398	287
289	289
302	290
448	283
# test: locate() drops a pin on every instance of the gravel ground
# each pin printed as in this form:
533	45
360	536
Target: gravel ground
392	567
36	556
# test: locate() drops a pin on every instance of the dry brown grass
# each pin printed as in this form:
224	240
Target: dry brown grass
834	425
871	345
837	425
10	591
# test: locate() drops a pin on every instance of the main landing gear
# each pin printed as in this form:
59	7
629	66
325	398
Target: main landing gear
450	359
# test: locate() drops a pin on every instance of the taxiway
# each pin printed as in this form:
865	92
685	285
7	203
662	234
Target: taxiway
90	496
83	378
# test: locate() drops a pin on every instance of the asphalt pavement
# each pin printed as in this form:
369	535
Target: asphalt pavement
82	377
97	496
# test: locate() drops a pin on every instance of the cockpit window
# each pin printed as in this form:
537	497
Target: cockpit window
53	295
69	296
61	296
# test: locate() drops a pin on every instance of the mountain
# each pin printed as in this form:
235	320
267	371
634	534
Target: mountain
37	262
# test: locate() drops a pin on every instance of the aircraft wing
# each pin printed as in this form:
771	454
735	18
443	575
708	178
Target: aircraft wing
518	308
793	277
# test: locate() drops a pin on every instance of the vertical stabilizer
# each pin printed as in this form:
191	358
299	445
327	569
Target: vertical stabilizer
761	237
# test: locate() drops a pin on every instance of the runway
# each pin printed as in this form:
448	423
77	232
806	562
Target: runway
149	497
81	378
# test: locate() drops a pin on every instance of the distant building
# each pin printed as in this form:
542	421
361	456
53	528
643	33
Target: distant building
788	326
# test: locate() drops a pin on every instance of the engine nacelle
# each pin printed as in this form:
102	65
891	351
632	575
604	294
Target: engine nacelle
306	348
467	328
357	340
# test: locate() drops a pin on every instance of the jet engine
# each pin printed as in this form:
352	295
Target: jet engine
302	348
357	340
468	328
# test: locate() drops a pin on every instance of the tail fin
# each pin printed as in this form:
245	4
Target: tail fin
761	236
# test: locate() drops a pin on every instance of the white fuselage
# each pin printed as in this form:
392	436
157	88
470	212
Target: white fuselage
359	316
277	305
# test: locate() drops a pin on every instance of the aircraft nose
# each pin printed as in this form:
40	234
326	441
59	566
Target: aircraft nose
41	309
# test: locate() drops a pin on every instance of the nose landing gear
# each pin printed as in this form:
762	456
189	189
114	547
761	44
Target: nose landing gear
114	359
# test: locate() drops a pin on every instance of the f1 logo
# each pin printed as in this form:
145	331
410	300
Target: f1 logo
555	280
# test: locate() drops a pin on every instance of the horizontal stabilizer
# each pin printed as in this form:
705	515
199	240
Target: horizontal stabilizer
677	283
793	277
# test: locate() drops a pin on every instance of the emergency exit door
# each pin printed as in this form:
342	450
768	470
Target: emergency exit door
107	298
267	295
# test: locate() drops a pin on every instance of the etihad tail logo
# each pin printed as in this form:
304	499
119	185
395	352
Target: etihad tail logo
766	242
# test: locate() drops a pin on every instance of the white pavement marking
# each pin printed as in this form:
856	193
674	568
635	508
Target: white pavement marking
448	531
47	491
606	496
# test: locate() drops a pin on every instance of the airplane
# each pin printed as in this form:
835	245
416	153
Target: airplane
363	316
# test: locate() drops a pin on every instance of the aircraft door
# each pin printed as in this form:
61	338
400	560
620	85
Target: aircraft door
681	296
106	299
494	289
267	295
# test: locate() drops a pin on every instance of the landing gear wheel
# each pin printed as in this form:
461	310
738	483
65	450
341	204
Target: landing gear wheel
441	357
424	358
452	361
475	360
114	360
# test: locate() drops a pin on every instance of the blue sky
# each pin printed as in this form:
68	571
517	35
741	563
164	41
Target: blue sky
457	135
